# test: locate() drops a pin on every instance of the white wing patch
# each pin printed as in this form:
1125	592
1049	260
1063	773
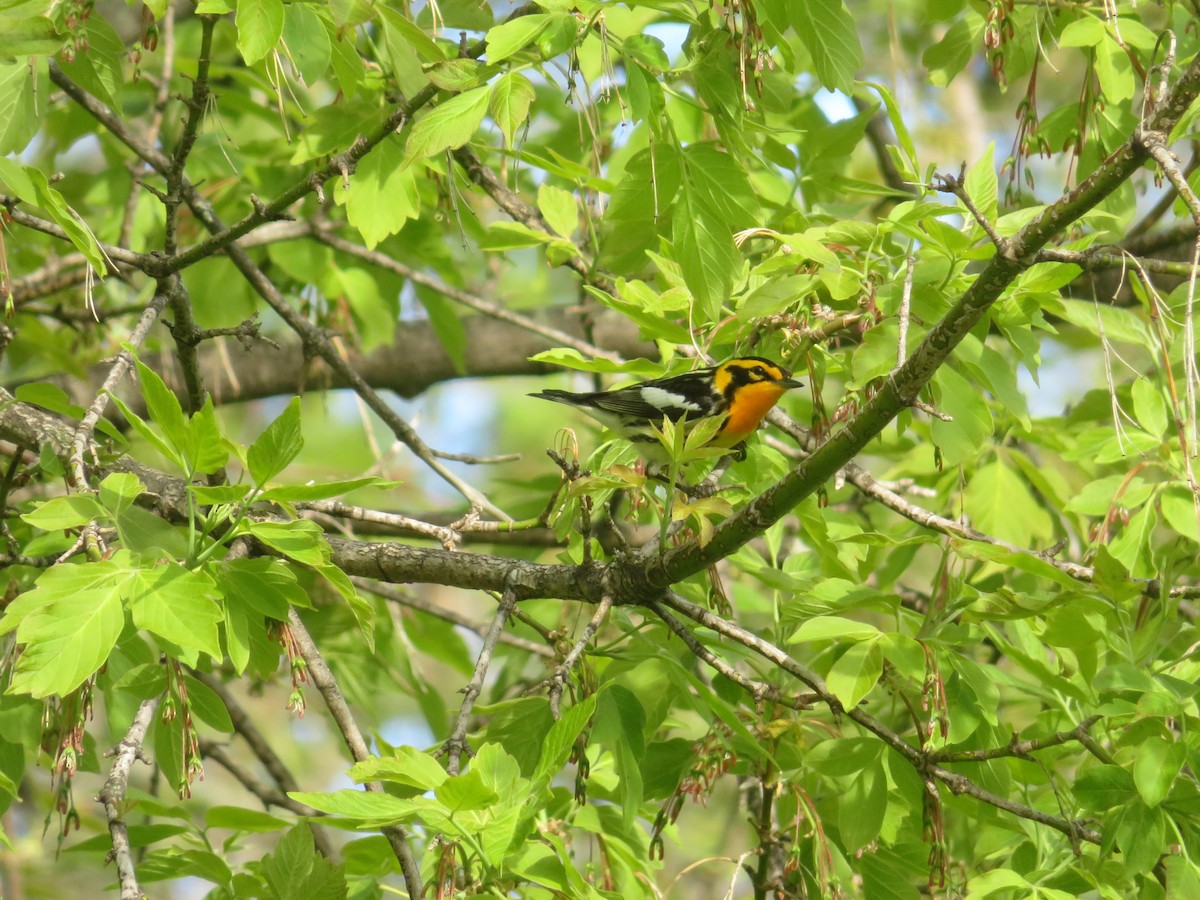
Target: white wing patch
664	399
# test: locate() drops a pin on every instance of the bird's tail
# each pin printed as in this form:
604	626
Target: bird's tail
556	395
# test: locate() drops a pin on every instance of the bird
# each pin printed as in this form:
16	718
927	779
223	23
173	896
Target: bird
741	391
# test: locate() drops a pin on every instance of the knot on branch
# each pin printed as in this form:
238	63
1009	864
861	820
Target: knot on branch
266	212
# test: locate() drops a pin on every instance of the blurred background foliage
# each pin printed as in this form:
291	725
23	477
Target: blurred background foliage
464	199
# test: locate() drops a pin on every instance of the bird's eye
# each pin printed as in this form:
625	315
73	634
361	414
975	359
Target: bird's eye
758	372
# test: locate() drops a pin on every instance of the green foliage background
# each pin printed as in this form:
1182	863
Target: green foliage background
937	636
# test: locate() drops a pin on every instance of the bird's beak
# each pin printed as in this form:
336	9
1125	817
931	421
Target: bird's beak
788	383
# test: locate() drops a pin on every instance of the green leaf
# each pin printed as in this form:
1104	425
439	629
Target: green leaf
960	439
982	185
844	756
36	36
293	869
556	748
1141	835
465	792
647	51
207	450
824	628
862	807
364	612
559	208
1179	511
219	494
383	193
998	880
1114	71
177	604
163	409
723	186
143	681
407	766
142	427
299	540
295	493
448	125
1155	767
1149	406
18	110
362	806
706	254
72	511
856	672
1103	787
277	446
638	206
239	819
307	41
999	504
1085	31
507	38
259	27
827	29
1134	546
119	490
32	186
447	325
207	705
509	103
458	74
66	640
99	68
520	727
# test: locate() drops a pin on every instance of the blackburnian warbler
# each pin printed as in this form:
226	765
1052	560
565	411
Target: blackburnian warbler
741	391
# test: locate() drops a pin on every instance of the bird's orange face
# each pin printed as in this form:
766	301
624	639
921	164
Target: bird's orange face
753	402
752	385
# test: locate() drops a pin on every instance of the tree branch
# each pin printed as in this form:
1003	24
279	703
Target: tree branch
456	744
339	710
399	598
112	795
959	784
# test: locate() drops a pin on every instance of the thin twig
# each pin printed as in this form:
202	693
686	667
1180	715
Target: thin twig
959	784
465	298
456	744
1017	748
443	534
112	795
87	426
559	679
339	710
902	316
957	186
269	796
399	597
758	690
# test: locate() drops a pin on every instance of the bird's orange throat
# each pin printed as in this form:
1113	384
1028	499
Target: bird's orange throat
753	402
